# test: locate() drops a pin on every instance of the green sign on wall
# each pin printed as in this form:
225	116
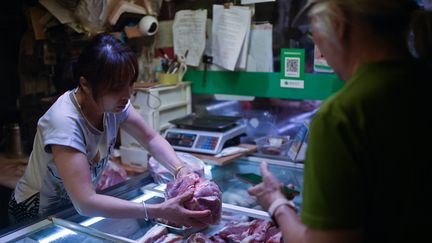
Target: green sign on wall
292	68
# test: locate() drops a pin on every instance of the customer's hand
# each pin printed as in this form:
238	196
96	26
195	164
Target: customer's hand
267	191
174	211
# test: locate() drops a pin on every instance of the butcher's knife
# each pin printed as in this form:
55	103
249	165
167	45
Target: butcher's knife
255	179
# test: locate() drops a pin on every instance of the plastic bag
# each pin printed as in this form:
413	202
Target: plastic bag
111	175
92	14
161	174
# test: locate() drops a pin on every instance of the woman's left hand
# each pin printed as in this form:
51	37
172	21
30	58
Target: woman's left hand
174	211
267	191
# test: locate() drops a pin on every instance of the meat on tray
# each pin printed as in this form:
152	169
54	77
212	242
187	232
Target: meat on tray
170	238
159	234
243	232
234	231
199	238
207	194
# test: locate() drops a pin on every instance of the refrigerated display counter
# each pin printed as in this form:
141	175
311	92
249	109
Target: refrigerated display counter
68	226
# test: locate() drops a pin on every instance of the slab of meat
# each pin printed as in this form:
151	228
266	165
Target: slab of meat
258	232
217	239
236	231
199	238
159	234
273	235
276	238
255	231
207	194
170	238
248	232
111	175
156	232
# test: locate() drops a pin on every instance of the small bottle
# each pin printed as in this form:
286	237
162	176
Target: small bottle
15	149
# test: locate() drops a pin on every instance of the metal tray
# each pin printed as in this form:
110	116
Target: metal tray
206	122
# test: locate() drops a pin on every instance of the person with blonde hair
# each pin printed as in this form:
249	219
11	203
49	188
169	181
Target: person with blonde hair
367	169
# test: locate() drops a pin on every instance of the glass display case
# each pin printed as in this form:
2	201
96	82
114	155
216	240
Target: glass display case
234	189
54	233
237	206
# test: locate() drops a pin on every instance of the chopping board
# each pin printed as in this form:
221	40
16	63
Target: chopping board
210	159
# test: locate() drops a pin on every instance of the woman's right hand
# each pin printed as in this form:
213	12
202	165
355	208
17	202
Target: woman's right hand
174	211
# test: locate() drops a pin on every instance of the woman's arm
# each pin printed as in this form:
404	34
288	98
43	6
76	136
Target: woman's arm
136	126
75	173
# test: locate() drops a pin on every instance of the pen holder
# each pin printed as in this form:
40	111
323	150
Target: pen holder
168	78
175	76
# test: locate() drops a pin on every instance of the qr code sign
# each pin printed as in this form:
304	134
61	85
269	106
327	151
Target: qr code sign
292	67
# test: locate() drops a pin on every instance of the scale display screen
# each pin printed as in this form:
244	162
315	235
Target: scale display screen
181	139
187	140
209	142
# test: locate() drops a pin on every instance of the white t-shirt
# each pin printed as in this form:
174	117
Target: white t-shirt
64	124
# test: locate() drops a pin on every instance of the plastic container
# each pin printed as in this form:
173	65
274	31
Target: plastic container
134	156
273	145
158	106
168	78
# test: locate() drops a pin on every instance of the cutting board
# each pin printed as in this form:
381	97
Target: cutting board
210	159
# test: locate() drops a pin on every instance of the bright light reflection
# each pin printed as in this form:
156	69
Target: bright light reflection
207	171
62	233
90	221
160	187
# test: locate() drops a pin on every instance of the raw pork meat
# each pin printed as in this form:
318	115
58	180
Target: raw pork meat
111	175
159	234
156	232
198	238
170	238
247	232
207	194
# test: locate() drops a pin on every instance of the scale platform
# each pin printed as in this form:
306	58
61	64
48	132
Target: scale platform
204	134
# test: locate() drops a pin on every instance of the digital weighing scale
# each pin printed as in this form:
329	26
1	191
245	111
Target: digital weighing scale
204	134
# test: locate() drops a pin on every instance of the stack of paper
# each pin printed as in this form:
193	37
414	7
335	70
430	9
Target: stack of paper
189	35
230	40
320	63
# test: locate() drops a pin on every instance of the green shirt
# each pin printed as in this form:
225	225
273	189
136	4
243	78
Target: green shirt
366	166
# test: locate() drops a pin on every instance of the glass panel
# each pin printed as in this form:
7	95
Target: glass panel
235	190
135	229
53	233
128	228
